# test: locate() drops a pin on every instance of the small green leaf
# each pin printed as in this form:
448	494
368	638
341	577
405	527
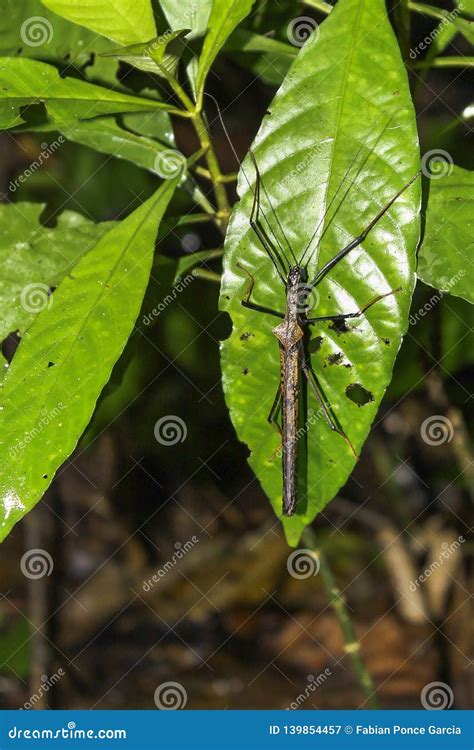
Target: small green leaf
159	55
446	253
25	82
67	355
187	14
225	16
124	21
34	258
338	143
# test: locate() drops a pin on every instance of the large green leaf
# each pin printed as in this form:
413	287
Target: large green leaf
34	258
124	21
446	253
337	144
25	82
225	16
67	355
29	29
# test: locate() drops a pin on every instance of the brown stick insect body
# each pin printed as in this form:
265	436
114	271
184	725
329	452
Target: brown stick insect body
290	332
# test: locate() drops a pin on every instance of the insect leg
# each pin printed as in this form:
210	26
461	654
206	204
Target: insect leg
276	403
251	305
343	316
316	388
358	240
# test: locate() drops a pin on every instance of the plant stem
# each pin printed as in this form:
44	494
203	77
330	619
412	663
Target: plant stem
320	5
339	605
217	178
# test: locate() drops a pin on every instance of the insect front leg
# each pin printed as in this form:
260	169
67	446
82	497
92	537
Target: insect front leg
356	314
246	302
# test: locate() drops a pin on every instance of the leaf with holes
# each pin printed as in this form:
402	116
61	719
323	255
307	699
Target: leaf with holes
67	355
337	144
445	257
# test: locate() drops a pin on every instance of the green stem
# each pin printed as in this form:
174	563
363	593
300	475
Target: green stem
215	173
320	5
447	62
338	604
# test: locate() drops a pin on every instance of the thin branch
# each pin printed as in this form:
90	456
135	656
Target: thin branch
338	604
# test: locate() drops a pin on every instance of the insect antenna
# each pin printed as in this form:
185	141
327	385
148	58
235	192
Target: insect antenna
333	199
267	236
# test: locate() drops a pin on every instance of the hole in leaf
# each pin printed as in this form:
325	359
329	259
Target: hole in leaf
358	394
315	344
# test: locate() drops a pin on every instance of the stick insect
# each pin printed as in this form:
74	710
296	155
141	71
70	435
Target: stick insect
294	361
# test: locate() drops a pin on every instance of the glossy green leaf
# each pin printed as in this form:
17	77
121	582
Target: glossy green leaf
225	16
125	21
338	142
25	82
446	253
159	55
29	29
187	14
67	355
34	258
